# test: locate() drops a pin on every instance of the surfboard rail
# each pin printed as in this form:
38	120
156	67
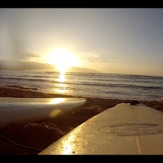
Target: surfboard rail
14	110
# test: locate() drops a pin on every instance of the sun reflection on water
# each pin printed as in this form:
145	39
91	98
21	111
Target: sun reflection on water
61	86
61	78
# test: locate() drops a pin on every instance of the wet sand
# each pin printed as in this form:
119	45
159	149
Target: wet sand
31	138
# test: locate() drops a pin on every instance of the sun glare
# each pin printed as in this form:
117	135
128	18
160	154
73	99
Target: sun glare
63	59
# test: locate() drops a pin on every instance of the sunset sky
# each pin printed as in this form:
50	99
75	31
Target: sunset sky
128	41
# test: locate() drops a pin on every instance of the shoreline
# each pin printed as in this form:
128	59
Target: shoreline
41	134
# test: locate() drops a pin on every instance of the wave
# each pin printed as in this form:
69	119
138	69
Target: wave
26	79
21	87
82	83
99	77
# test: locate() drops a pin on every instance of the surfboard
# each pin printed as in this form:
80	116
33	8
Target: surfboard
13	110
123	129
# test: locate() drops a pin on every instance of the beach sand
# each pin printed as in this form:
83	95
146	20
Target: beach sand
31	138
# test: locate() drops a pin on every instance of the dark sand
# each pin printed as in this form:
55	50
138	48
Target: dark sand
39	135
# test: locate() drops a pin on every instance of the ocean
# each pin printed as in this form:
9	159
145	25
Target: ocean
98	85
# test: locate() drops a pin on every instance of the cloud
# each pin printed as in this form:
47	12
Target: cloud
31	55
24	65
28	57
92	58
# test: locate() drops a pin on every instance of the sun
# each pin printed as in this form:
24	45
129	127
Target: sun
62	58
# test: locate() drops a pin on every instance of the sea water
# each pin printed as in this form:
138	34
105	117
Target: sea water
98	85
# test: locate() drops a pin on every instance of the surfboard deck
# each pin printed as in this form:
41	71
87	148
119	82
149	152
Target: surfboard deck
29	109
123	129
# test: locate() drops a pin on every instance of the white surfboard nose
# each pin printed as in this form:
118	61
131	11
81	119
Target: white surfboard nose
123	129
